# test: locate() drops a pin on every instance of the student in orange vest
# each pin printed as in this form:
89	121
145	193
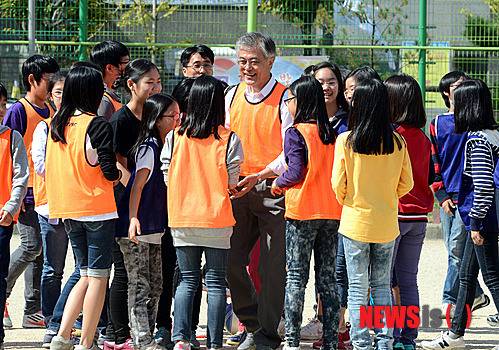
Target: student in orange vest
371	171
143	220
256	112
112	57
24	116
312	211
3	101
80	172
14	176
202	160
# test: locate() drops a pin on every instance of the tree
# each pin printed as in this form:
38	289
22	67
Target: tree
145	14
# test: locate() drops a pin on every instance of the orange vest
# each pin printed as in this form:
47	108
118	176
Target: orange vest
39	190
198	182
75	188
258	126
116	104
314	198
7	168
32	120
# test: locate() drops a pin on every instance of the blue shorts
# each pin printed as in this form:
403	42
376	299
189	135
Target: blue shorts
92	243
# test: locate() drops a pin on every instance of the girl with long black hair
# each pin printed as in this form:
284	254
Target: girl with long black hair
371	172
312	211
80	173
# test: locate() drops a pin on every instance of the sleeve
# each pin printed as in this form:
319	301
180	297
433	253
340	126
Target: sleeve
278	165
229	95
295	150
20	176
437	186
431	172
16	118
145	158
235	157
106	108
38	147
406	181
166	155
482	173
100	134
339	175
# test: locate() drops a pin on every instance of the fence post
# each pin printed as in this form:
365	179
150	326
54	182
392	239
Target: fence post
31	27
422	52
252	13
83	28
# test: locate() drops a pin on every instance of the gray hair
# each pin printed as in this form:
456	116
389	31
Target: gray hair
256	40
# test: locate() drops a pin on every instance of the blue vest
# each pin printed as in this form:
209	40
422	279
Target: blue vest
450	151
466	197
152	213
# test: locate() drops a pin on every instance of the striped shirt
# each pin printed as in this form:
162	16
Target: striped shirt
482	151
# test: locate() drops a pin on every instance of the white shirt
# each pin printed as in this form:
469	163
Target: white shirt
278	165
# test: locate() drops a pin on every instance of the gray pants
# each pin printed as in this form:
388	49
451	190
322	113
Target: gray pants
27	258
143	266
259	215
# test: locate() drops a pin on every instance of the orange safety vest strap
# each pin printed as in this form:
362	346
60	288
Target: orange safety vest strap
6	168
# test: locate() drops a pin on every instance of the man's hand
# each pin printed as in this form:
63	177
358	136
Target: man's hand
134	230
245	185
5	218
449	207
477	237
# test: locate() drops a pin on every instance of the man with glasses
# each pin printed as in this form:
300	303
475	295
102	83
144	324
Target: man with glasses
256	111
112	57
197	60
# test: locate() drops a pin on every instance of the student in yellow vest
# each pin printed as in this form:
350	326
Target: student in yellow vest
80	172
24	116
256	111
371	171
312	211
14	176
202	161
112	57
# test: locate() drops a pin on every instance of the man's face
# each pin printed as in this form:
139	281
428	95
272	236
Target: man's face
197	66
40	88
254	67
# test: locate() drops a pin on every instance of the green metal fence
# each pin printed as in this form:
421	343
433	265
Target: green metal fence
424	38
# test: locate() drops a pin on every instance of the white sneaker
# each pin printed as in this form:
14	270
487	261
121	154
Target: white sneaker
281	329
152	346
182	345
480	301
444	342
59	343
287	347
445	306
312	330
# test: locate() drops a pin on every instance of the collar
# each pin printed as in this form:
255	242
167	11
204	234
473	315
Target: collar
264	92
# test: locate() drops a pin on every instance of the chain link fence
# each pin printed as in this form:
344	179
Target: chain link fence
461	34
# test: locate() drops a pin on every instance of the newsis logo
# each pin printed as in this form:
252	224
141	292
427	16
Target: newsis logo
412	316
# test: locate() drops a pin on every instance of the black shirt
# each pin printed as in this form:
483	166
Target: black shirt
126	132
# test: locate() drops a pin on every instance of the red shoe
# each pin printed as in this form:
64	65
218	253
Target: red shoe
7	322
344	337
317	344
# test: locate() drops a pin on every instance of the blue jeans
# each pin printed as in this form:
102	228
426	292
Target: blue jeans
92	243
55	247
341	273
5	236
189	262
55	320
368	265
454	236
476	258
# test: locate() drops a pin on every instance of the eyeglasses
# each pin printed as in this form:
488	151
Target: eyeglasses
286	101
252	63
197	67
173	115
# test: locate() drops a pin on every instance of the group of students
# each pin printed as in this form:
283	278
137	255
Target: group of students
331	164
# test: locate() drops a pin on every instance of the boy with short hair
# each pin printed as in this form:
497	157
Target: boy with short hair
13	184
23	116
447	154
112	57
